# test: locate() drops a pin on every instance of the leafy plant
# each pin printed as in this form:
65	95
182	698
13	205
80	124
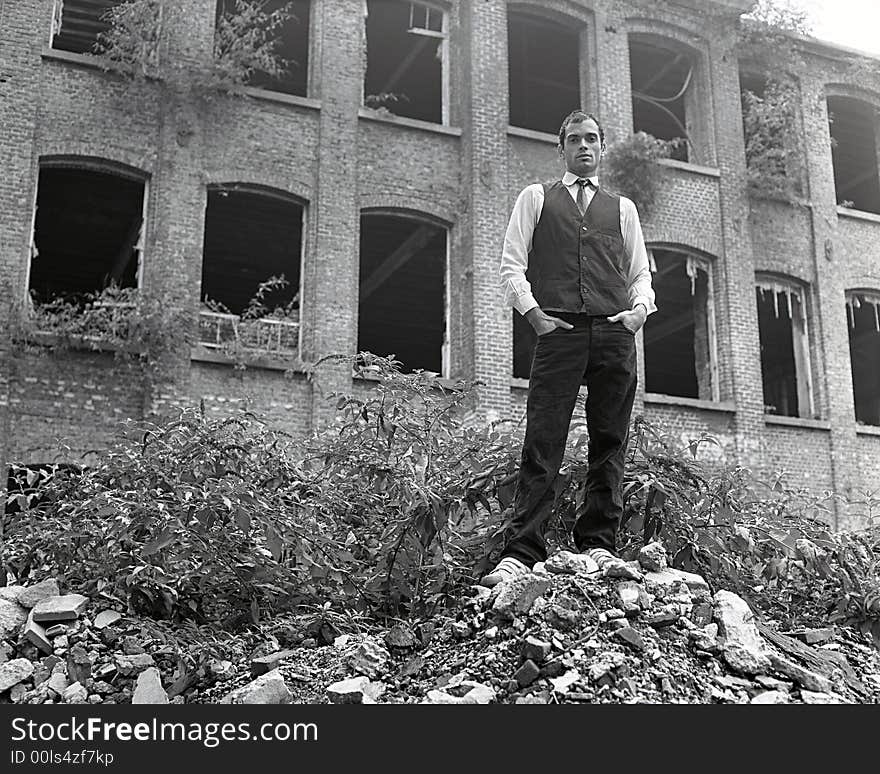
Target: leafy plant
137	326
246	43
131	44
631	168
773	157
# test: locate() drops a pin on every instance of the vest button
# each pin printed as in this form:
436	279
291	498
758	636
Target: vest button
584	228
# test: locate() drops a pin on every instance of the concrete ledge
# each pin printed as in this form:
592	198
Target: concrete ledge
277	96
410	123
848	212
263	362
87	60
722	406
519	384
531	134
811	424
697	169
868	430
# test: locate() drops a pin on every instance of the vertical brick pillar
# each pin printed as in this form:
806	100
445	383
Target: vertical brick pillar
331	270
831	330
738	340
176	215
25	27
614	110
485	117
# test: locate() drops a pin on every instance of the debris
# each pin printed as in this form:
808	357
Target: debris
106	618
568	563
60	608
741	643
269	688
803	677
653	557
527	673
149	688
535	649
262	664
12	617
32	595
75	693
370	658
631	637
517	596
13	672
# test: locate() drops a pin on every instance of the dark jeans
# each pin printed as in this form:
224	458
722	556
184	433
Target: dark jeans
605	354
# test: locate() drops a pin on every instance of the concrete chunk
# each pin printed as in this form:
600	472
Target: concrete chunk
35	594
36	635
568	563
149	688
517	596
263	664
741	644
269	688
106	618
12	617
14	672
62	608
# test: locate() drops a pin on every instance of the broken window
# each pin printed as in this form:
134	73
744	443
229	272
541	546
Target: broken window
785	348
76	24
251	237
291	42
402	308
88	231
680	348
663	93
855	136
544	66
407	67
863	314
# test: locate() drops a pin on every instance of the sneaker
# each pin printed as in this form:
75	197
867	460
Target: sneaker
612	566
507	569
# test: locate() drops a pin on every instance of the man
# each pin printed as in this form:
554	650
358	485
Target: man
587	295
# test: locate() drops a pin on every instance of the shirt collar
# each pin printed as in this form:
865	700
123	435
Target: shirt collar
569	178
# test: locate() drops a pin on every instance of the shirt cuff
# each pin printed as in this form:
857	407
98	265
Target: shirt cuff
524	303
649	307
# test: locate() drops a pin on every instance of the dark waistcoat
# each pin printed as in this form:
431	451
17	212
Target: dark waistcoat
577	264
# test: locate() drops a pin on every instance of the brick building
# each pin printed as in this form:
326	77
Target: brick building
378	176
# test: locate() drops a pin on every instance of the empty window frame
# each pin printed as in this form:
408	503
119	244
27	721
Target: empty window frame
855	133
544	70
291	43
407	67
680	344
88	230
76	24
785	348
403	279
251	236
663	81
863	315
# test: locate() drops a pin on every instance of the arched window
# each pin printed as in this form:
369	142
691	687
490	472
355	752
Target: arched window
666	95
407	67
403	305
88	228
853	126
680	344
251	266
786	372
863	315
544	70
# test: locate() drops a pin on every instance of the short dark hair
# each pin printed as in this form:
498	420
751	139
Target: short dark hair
576	117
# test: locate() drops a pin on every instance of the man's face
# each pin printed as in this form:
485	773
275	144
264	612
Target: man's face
582	148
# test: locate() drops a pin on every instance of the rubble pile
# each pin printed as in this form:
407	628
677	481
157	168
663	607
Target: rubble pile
562	633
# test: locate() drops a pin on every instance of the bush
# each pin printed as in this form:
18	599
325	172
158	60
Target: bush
632	170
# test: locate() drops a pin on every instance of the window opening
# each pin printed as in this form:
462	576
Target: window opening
407	67
250	238
785	352
76	24
544	68
854	139
662	85
291	45
402	308
680	342
863	316
88	233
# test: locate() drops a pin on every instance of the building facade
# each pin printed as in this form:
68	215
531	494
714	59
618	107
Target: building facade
377	175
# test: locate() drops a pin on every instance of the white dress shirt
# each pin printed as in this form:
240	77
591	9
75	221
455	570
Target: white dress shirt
518	245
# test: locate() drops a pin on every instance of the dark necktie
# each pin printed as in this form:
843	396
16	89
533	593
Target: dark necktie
583	182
